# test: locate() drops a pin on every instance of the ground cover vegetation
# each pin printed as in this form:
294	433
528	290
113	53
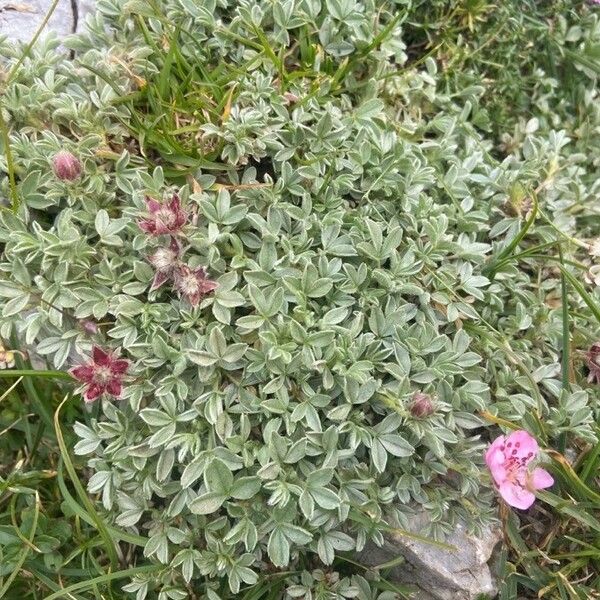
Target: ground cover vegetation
276	274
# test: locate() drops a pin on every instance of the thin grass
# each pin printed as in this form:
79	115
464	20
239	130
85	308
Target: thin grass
110	545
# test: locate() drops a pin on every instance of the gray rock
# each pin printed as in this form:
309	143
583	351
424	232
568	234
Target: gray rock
20	19
84	8
461	574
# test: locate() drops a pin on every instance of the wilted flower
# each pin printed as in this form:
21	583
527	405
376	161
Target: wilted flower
592	359
7	358
592	275
103	374
66	166
290	98
594	248
193	284
164	261
421	405
508	459
165	218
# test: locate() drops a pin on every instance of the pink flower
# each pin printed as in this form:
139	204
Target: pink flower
508	459
66	166
165	261
165	218
193	284
103	374
592	359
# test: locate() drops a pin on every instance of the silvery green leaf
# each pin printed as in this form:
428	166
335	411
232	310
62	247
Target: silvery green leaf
396	445
245	487
207	503
218	478
325	498
202	358
278	548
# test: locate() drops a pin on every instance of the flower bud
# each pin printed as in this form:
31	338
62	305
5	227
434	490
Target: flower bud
66	166
89	326
421	405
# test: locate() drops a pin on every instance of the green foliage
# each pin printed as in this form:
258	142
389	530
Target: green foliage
375	230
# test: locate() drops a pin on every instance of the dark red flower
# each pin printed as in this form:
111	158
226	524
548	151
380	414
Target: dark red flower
165	218
421	405
193	284
66	166
102	375
165	261
592	359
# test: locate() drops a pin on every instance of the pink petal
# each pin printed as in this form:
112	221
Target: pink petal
92	392
84	373
496	464
194	299
175	203
101	357
208	286
161	229
516	496
119	366
540	479
147	226
159	278
174	246
521	444
114	387
152	205
494	454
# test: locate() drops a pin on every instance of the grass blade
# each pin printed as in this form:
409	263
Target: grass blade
99	524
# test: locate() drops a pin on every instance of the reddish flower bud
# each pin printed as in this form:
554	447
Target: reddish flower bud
421	405
89	326
66	166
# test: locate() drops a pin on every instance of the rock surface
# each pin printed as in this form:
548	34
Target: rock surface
462	574
20	19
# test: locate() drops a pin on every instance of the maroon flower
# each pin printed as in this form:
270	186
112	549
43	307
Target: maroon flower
165	261
193	284
165	218
66	166
103	374
592	359
421	405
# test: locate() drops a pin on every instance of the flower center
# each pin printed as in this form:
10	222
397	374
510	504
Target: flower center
166	217
164	259
189	284
103	375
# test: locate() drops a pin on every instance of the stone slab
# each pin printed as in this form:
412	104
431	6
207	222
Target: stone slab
20	19
460	574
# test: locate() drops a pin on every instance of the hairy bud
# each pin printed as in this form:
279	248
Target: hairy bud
421	405
66	166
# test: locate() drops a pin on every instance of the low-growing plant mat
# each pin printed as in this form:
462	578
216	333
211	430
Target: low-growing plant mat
291	266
